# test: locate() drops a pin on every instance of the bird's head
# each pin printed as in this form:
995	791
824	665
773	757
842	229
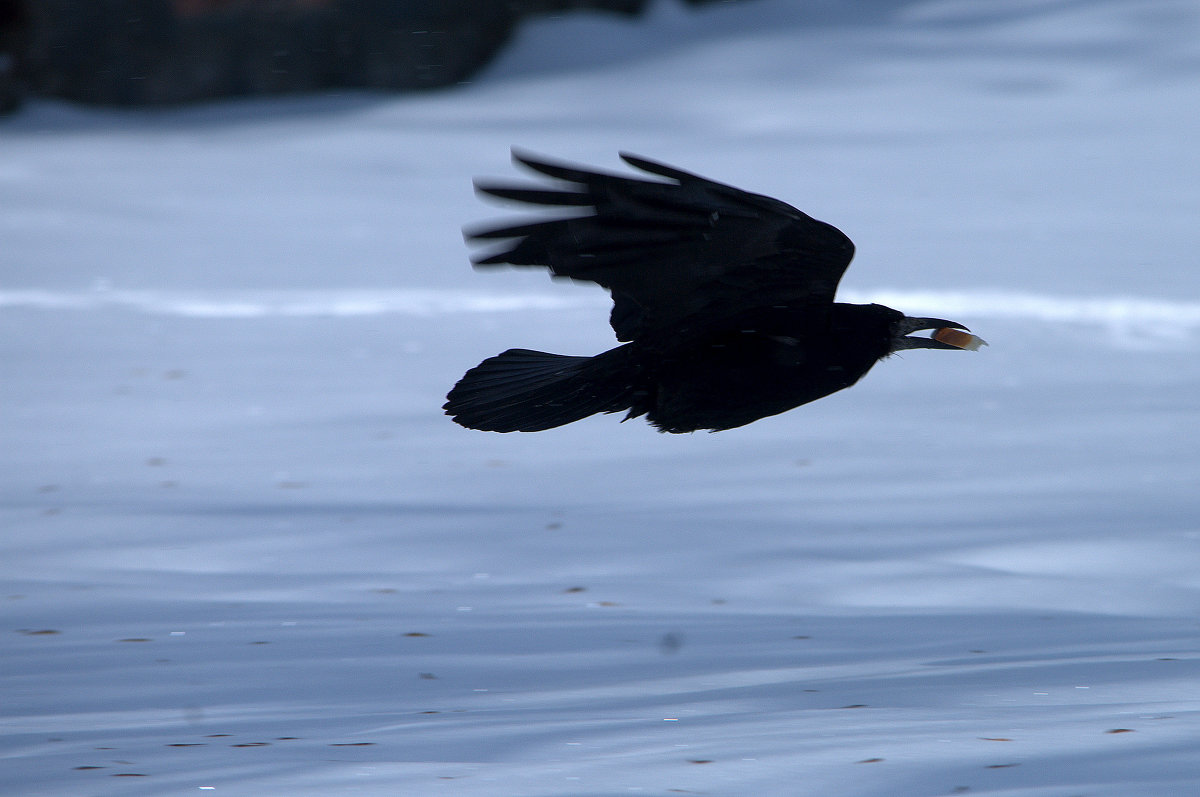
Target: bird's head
946	335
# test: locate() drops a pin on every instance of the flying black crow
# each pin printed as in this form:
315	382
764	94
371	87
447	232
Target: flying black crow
723	299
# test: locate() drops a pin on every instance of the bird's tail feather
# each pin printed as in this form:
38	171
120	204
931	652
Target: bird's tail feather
528	391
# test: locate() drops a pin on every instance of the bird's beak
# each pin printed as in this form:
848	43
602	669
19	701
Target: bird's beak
947	335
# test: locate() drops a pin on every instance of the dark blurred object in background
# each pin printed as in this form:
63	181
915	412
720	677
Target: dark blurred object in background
154	52
13	24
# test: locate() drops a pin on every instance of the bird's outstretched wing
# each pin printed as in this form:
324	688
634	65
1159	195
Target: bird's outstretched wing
669	249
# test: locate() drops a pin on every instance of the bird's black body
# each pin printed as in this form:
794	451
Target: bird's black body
724	299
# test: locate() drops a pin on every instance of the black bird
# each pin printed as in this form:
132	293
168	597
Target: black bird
723	298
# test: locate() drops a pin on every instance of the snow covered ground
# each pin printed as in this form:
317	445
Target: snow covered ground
244	553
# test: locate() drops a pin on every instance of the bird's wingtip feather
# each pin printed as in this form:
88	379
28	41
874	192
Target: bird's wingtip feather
654	167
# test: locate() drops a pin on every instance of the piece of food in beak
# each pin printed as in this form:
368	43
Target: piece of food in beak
959	339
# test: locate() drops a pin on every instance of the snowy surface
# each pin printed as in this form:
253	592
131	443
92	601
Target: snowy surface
245	554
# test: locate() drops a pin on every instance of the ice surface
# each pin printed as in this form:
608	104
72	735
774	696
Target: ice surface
244	552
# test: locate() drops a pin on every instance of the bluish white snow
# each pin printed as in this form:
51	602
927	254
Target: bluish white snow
244	553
